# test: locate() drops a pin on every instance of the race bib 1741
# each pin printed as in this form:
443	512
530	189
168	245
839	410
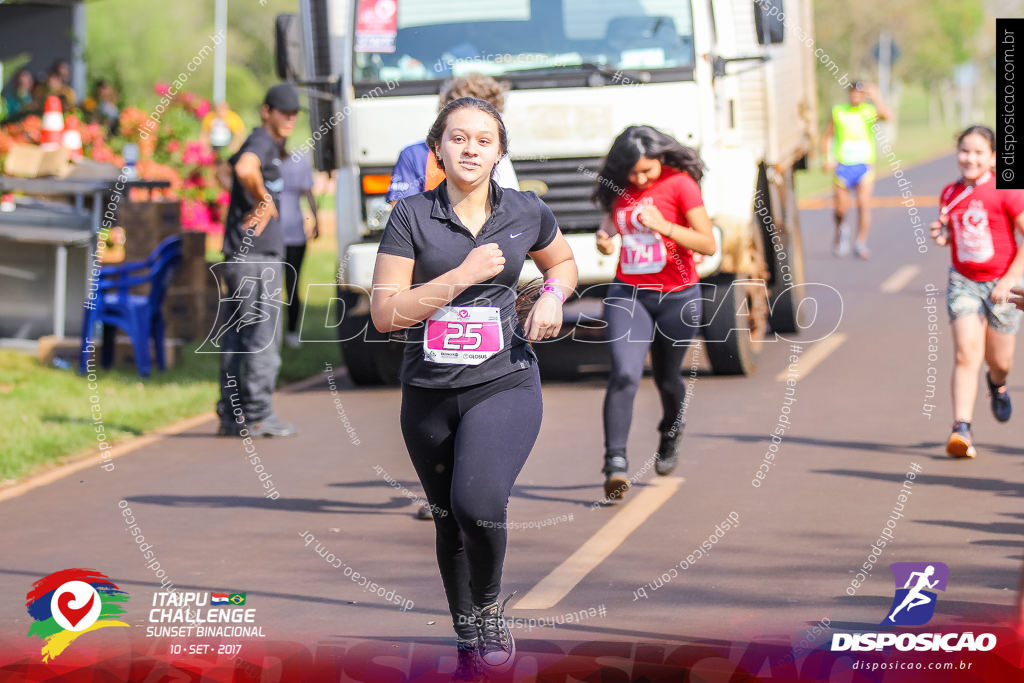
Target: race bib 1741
642	253
463	335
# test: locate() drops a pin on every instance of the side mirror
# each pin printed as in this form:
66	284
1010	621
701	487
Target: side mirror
301	57
288	57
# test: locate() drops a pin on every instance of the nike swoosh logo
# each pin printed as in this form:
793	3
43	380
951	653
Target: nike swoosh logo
515	235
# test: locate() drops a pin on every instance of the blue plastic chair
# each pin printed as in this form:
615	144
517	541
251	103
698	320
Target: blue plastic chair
140	316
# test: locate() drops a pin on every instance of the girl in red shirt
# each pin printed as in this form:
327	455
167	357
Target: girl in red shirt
648	188
977	221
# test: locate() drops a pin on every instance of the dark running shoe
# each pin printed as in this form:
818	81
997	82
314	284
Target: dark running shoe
272	425
229	429
1002	408
497	646
616	483
470	667
424	512
667	456
960	444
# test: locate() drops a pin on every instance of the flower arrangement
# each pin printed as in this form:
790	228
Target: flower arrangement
169	150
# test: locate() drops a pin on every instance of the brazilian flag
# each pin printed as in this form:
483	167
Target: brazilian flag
237	598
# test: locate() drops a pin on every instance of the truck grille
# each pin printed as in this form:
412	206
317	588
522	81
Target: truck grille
568	189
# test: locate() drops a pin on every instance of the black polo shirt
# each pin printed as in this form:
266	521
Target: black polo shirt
425	228
270	242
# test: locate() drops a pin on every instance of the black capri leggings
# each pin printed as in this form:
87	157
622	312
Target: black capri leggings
293	256
638	320
468	446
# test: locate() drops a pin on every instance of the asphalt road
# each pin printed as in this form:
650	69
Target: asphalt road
856	427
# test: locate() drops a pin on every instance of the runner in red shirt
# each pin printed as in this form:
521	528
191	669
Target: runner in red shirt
648	187
986	265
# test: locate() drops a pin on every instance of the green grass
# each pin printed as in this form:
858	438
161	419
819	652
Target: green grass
51	411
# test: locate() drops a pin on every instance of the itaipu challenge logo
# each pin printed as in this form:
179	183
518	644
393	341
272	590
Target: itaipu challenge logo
70	603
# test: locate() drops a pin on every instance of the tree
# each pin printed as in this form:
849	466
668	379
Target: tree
137	43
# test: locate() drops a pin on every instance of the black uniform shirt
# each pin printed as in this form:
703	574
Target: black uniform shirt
270	242
424	227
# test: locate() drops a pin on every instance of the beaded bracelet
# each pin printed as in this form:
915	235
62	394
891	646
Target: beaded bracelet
549	287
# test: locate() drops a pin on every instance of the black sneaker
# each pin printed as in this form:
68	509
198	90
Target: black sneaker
272	425
667	456
424	512
229	429
497	646
1002	408
616	483
470	666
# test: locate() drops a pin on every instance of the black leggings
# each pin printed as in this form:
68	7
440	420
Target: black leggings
293	255
638	320
468	446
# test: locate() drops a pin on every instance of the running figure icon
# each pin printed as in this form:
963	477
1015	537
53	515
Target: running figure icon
915	597
243	316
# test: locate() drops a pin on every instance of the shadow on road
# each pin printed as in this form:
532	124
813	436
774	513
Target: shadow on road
925	449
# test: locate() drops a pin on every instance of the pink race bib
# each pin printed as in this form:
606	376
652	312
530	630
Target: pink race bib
463	335
642	253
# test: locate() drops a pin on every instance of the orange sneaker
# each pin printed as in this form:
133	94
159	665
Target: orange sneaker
960	444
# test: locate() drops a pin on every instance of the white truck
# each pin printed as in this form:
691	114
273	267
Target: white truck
726	77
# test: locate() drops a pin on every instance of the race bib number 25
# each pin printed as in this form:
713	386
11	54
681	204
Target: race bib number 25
463	335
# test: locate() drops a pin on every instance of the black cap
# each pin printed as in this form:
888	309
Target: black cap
283	97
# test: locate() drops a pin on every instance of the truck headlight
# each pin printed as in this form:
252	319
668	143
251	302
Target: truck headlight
377	211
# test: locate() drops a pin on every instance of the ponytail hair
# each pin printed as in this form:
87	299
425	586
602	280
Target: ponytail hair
983	131
441	122
633	144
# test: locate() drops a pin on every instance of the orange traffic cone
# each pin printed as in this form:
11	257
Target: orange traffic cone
72	138
53	123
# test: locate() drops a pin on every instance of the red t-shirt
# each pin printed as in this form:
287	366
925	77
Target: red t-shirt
647	259
982	225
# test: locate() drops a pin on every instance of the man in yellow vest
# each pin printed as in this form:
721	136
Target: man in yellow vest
849	153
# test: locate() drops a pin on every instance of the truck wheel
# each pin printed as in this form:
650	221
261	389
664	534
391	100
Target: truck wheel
369	363
734	318
787	285
372	363
581	352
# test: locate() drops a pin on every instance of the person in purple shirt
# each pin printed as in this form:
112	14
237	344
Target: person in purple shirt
415	171
296	228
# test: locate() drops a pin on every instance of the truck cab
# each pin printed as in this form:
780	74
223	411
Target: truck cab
726	77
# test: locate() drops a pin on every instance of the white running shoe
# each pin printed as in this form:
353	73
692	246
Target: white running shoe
841	247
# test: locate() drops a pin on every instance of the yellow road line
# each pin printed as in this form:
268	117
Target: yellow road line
598	547
900	279
810	358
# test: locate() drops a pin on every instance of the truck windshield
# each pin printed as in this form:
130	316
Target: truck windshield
439	39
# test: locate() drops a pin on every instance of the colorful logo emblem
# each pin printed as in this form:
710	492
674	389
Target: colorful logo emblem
914	602
237	598
69	603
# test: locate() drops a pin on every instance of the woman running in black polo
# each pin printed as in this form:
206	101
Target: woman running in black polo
447	270
648	187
